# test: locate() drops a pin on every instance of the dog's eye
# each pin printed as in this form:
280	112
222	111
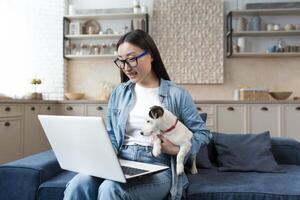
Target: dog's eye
148	121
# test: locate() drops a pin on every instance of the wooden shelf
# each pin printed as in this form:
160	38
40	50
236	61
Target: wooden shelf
252	54
71	57
94	36
266	12
266	33
108	16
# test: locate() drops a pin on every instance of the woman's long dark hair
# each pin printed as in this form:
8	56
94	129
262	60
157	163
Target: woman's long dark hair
144	41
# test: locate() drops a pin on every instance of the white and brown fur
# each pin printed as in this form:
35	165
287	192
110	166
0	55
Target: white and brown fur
160	119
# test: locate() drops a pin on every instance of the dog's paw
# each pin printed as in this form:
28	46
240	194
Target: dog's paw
156	152
179	169
194	170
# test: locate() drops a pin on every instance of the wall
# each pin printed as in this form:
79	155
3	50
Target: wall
272	73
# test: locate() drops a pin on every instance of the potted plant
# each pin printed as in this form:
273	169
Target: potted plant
35	94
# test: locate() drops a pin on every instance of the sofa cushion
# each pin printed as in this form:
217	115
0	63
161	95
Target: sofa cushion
210	184
202	160
245	152
54	188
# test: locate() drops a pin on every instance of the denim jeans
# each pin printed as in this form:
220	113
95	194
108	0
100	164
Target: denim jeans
155	186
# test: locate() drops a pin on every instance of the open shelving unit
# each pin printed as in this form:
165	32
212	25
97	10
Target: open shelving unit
231	33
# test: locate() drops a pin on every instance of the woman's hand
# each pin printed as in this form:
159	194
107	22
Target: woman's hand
168	147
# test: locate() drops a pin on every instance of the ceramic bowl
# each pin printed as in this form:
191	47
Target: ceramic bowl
280	95
74	95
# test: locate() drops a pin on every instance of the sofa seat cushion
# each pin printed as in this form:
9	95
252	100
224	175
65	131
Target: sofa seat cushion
54	188
213	184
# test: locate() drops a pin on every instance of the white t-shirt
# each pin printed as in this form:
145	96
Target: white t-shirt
144	99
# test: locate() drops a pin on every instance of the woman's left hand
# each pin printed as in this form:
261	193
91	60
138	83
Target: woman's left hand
168	147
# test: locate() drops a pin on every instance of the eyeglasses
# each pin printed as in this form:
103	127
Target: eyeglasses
131	62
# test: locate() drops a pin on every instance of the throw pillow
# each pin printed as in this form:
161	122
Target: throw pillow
202	160
245	152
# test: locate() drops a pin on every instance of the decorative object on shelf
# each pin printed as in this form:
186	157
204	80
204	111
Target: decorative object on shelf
103	11
241	42
280	45
235	48
36	95
289	27
269	27
108	31
75	28
125	29
74	95
255	23
280	95
242	24
136	6
254	94
276	27
297	26
91	27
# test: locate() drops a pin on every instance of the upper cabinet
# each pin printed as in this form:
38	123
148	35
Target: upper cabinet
96	35
263	33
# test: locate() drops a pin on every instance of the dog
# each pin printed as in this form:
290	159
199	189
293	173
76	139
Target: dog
163	121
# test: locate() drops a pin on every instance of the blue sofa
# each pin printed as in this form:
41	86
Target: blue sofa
40	177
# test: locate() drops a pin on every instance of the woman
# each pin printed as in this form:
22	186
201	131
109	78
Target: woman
145	82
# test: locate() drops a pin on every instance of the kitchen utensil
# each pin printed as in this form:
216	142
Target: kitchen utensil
280	95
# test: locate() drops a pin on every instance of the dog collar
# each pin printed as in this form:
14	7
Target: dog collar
171	128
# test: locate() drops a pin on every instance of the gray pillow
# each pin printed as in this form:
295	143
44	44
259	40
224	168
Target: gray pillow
245	152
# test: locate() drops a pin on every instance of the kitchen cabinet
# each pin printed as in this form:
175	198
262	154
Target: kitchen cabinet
251	40
100	41
45	109
97	110
265	117
231	118
11	146
291	121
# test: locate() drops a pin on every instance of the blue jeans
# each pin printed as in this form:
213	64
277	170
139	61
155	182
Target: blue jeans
155	186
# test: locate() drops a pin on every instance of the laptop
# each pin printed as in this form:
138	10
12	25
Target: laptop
82	144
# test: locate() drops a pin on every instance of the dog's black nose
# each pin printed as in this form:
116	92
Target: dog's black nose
141	133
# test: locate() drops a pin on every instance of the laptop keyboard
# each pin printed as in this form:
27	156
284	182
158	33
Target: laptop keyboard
132	171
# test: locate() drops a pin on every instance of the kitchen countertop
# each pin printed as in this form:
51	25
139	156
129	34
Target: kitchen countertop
25	101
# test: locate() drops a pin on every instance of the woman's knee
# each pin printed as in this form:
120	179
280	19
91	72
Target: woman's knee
110	190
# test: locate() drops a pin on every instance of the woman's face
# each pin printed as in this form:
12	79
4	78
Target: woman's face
142	72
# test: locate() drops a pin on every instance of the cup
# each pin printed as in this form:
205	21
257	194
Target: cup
269	27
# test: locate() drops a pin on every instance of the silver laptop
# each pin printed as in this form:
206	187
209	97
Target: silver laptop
82	144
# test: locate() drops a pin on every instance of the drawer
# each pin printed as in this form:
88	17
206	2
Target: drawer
209	109
10	110
96	110
71	109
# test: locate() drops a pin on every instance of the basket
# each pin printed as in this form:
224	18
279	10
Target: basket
254	95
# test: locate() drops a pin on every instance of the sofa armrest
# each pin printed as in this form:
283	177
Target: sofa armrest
20	179
286	150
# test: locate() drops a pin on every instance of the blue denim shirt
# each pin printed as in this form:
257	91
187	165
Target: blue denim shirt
173	98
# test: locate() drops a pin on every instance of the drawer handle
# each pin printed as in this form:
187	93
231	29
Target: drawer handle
32	108
99	108
7	124
198	108
230	108
264	109
69	108
7	109
298	108
48	108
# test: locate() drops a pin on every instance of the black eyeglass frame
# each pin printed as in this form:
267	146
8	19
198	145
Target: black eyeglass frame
127	62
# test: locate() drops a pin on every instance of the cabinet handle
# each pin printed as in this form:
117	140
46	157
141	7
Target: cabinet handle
7	124
198	108
48	108
230	108
99	108
264	109
298	108
69	108
7	109
32	108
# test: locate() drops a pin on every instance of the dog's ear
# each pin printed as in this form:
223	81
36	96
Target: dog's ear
156	112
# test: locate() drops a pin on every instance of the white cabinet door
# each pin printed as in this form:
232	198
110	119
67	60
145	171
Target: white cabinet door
71	109
265	117
45	109
291	121
209	110
231	118
32	133
96	110
11	147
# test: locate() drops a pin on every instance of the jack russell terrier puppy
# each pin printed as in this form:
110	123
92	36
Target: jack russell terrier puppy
163	121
